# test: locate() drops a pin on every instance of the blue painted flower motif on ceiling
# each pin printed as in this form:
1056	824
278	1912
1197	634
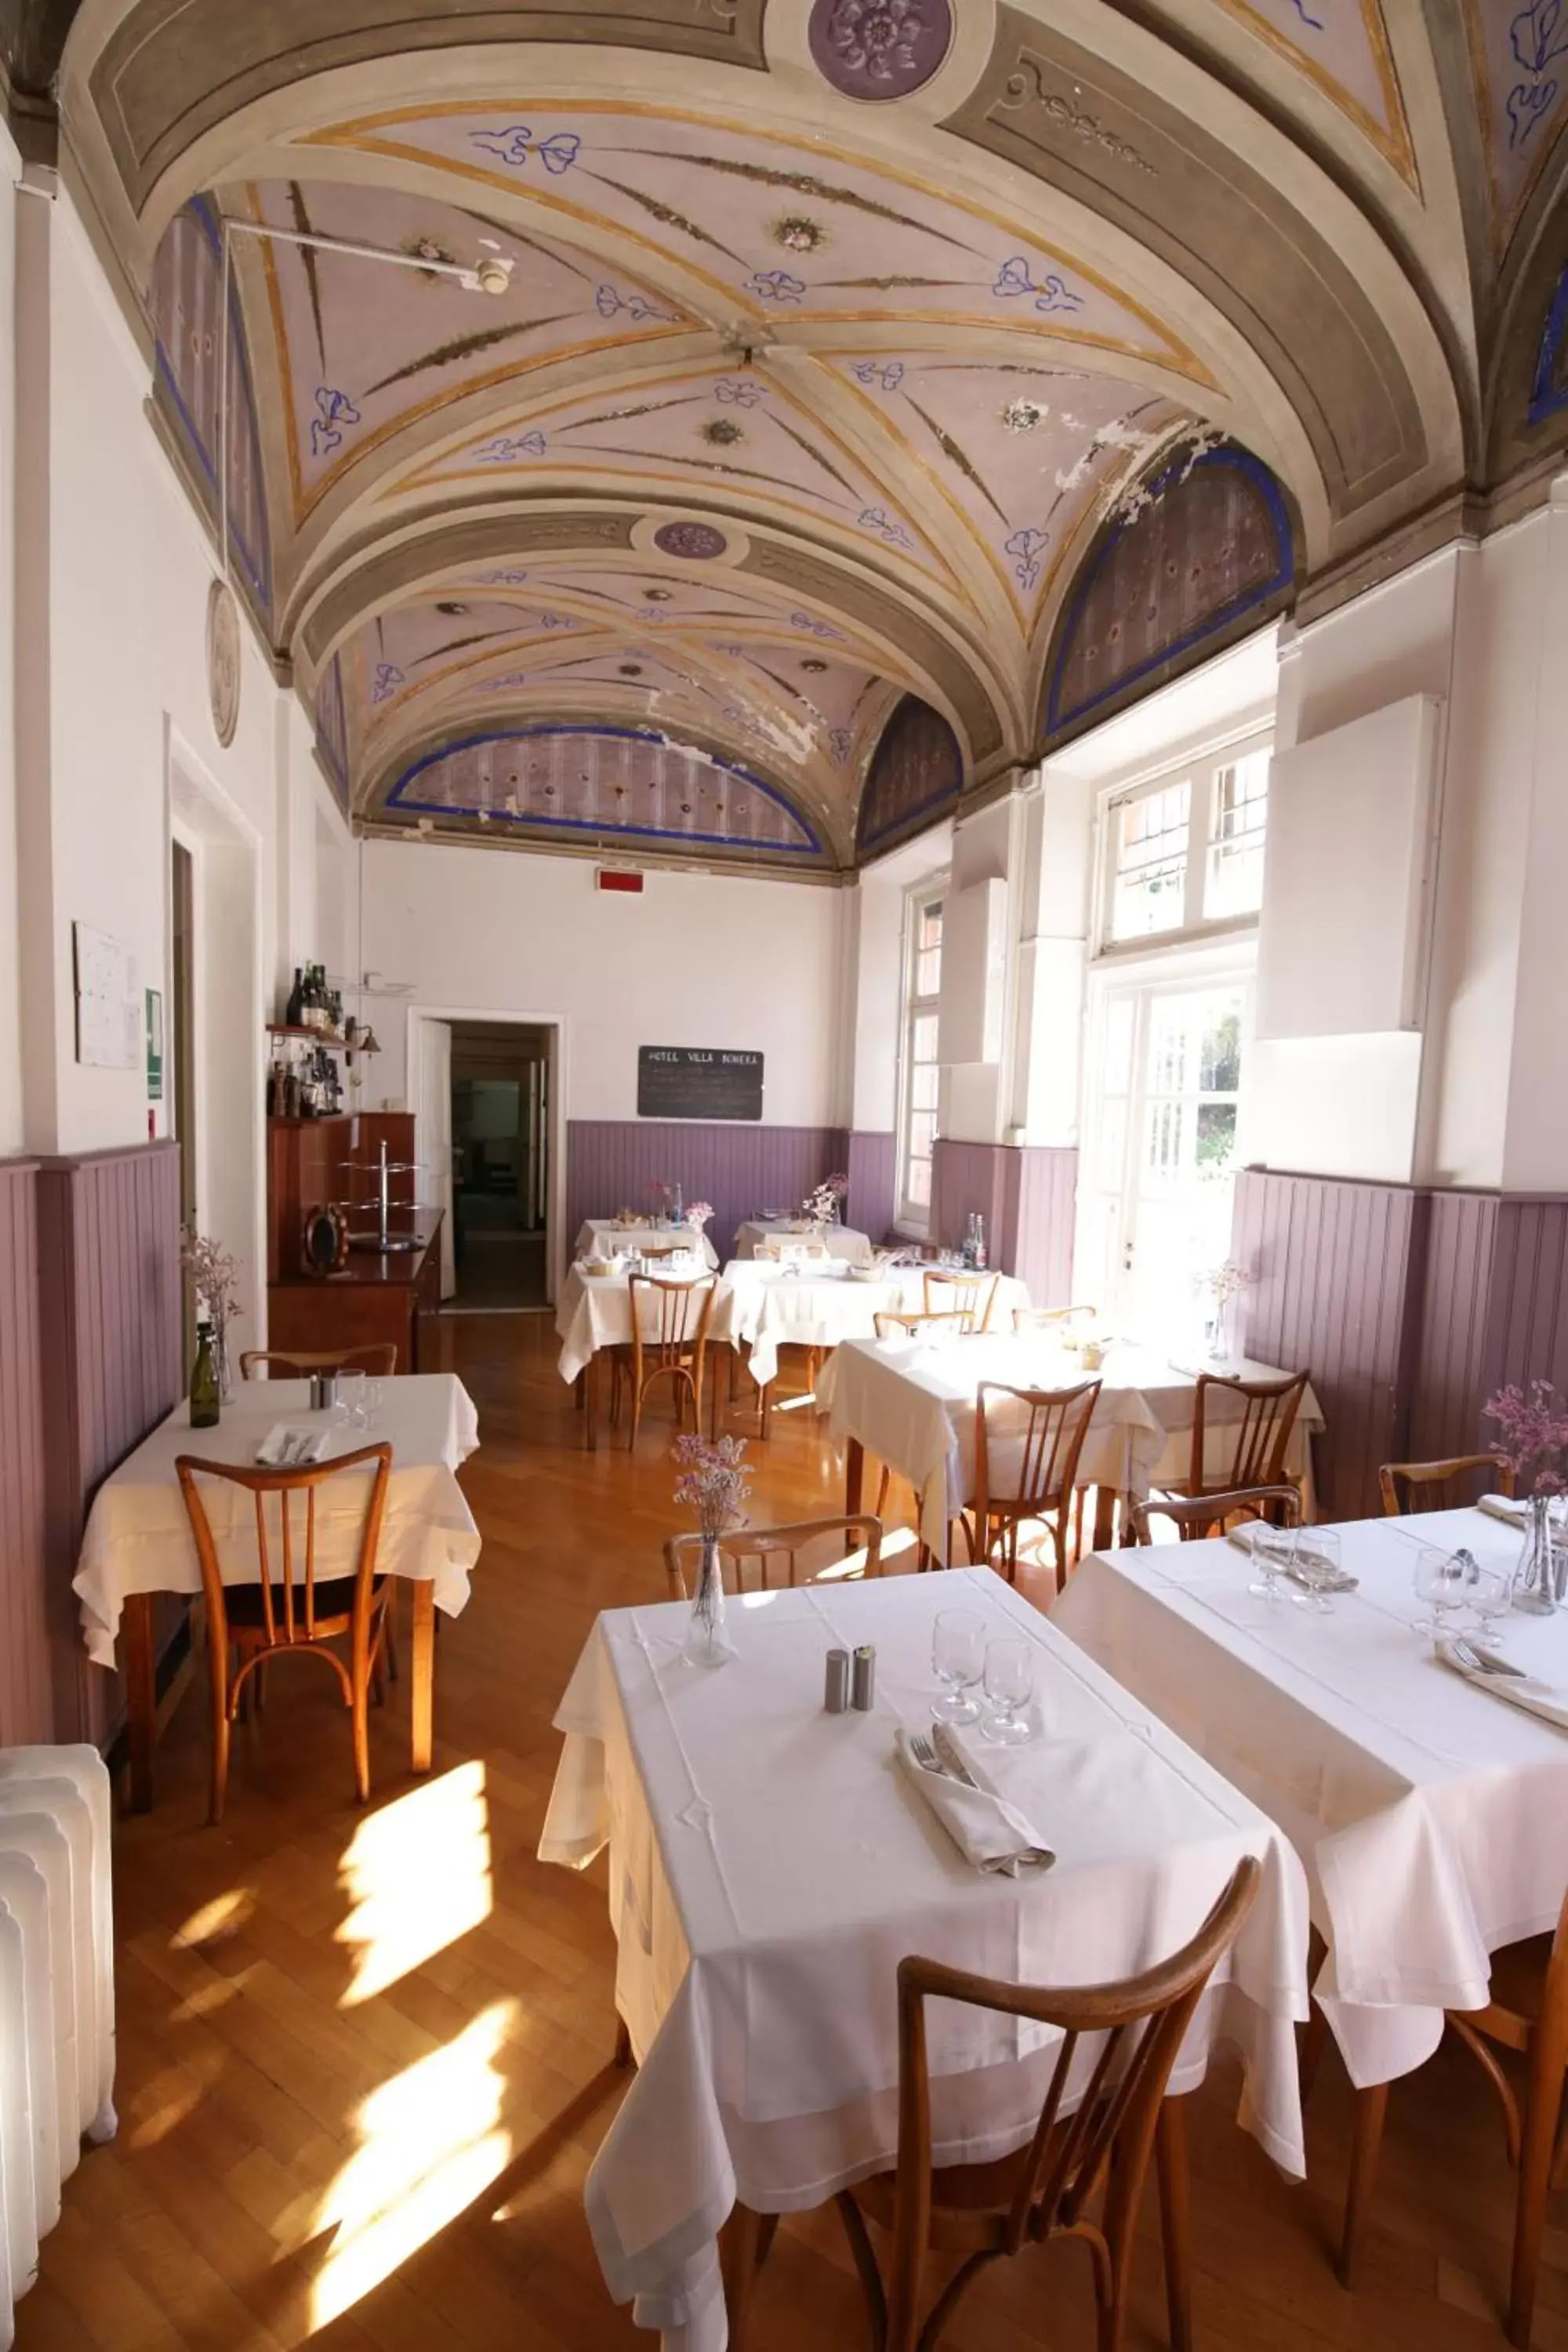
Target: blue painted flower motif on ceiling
775	286
1549	387
737	392
1026	547
509	576
877	519
386	682
1051	294
506	449
885	375
608	300
516	144
1313	23
333	410
556	620
1538	37
814	627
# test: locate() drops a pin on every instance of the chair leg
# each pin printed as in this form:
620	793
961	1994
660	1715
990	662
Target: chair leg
623	2044
1530	2218
1371	2109
637	1387
1171	2166
864	2256
359	1710
737	2256
217	1683
389	1634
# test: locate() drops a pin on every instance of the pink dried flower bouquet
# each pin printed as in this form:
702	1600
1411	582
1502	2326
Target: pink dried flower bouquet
821	1203
698	1213
713	1481
1533	1432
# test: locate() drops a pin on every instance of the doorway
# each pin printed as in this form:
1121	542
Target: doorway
501	1164
1157	1212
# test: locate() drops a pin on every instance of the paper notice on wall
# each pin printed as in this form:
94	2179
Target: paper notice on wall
110	1012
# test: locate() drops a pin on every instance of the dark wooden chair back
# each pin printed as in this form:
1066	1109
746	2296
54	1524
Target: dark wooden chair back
1257	1439
376	1357
1422	1486
1095	2157
1196	1515
768	1549
973	1296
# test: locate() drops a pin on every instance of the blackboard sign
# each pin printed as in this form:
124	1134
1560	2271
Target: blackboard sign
690	1082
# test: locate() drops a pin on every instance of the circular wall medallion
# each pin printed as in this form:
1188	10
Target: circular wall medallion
879	48
223	660
697	543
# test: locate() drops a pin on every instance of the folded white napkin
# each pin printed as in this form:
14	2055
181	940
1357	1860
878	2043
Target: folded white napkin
987	1829
1548	1700
303	1444
1245	1537
1515	1509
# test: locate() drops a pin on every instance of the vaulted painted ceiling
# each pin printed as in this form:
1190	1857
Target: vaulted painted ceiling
832	337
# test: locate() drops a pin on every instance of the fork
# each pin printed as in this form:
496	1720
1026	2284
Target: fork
929	1759
1483	1662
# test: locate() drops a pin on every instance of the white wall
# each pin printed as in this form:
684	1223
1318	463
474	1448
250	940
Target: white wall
696	959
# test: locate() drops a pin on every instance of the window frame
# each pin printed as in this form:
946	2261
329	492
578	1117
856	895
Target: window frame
913	1218
1199	767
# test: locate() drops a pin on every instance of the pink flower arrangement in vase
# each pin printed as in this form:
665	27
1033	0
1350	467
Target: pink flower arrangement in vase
713	1481
214	1275
821	1203
1532	1433
699	1213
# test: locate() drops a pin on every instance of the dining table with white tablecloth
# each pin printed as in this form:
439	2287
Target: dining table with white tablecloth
137	1539
1431	1816
756	1973
594	1316
819	1307
613	1236
911	1403
758	1235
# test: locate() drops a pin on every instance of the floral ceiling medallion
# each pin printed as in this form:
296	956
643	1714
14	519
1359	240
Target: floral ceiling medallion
699	542
879	48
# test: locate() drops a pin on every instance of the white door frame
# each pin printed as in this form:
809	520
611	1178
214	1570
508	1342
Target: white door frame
557	1240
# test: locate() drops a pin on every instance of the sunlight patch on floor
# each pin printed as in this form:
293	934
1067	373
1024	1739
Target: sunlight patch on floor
214	1920
417	1873
432	2141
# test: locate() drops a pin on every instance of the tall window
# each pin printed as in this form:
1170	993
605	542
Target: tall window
1183	852
920	1074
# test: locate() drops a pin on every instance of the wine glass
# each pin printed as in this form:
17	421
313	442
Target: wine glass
1489	1591
1274	1550
1316	1568
351	1396
958	1661
1009	1686
375	1398
1441	1581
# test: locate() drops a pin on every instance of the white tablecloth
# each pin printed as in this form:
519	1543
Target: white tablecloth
138	1538
756	1973
1433	1818
595	1312
823	1306
912	1404
608	1237
841	1241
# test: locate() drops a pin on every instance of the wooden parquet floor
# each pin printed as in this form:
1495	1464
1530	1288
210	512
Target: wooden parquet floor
365	2057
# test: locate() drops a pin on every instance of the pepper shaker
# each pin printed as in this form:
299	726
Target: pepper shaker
864	1682
835	1698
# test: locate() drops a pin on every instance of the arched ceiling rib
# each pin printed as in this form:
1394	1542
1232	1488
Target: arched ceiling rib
781	377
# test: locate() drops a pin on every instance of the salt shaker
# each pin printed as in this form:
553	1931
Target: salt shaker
835	1698
864	1681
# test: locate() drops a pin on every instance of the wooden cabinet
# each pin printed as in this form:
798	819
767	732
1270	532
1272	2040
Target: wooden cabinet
375	1297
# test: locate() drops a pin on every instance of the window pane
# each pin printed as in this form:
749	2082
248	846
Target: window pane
1149	893
922	1133
928	972
918	1187
924	1040
1233	882
924	1080
931	924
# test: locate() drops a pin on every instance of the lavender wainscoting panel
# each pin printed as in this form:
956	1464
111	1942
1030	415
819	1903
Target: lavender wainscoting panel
1047	1220
110	1297
1337	1270
26	1687
976	1179
870	1162
1527	1323
1449	1368
613	1165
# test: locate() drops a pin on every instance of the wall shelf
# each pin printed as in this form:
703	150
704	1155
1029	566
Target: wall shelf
315	1036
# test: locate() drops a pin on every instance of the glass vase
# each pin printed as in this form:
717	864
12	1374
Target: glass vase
1538	1581
706	1644
225	1372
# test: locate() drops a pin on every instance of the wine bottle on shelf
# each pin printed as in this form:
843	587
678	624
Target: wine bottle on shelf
204	1402
294	1010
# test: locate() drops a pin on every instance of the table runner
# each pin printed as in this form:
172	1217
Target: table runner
1432	1818
757	1974
138	1538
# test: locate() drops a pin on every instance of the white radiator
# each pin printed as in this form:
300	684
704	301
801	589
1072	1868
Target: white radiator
57	1992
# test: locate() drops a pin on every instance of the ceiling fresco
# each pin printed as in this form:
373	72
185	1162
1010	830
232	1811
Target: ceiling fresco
721	379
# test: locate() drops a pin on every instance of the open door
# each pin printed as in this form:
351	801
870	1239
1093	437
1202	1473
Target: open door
432	1114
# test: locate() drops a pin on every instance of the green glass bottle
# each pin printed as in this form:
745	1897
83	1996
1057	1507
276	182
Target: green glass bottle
204	1381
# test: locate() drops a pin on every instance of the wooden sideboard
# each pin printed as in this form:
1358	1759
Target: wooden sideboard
375	1296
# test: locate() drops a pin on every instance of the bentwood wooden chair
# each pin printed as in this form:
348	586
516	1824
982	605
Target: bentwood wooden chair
1050	1319
1528	2017
973	1296
376	1357
670	1322
1197	1515
1422	1486
1256	1438
290	1609
765	1548
1028	1443
1081	2175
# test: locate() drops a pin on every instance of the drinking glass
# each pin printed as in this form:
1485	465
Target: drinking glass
1441	1581
1009	1686
351	1396
1273	1551
1315	1568
375	1398
1490	1592
958	1660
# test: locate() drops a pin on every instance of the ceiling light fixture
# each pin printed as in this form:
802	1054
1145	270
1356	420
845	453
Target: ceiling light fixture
492	274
